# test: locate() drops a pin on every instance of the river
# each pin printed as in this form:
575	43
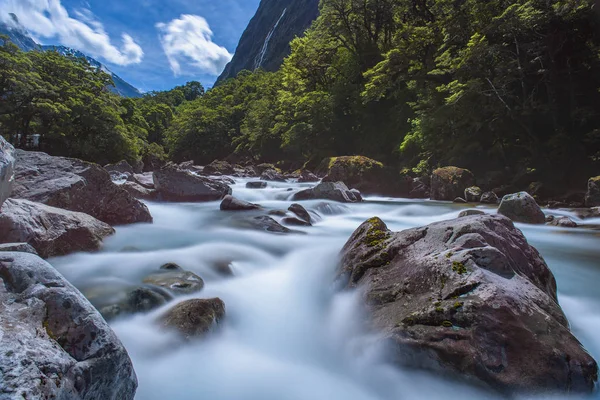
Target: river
288	334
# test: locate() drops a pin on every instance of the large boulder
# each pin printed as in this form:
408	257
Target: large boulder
592	197
176	184
140	192
521	207
51	231
360	172
448	183
7	169
146	180
272	175
307	176
55	345
195	317
336	191
77	186
230	203
468	298
473	194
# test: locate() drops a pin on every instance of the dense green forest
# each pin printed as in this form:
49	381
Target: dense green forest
508	89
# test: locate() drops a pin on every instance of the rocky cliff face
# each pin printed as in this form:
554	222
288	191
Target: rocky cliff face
266	40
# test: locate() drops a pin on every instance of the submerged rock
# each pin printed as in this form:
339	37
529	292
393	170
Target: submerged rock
194	318
230	203
470	298
117	299
449	183
55	345
256	185
75	185
592	197
521	207
265	223
174	278
7	169
295	221
51	231
300	212
564	222
176	184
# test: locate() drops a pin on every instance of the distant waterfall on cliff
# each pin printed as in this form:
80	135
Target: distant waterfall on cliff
261	56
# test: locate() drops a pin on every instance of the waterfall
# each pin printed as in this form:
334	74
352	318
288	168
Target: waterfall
261	56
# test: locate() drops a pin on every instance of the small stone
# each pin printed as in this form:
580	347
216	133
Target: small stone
194	318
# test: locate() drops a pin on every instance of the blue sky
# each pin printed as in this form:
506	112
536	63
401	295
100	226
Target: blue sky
152	44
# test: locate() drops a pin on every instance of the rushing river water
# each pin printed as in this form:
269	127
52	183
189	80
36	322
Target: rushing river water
288	335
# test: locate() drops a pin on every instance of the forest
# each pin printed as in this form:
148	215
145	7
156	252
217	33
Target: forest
507	89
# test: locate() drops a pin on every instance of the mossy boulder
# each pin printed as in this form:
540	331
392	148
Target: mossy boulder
521	207
360	172
469	299
194	318
592	197
218	168
473	194
448	183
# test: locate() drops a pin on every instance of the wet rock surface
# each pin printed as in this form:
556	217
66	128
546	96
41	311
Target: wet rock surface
231	203
470	298
51	231
521	207
77	355
175	184
75	185
194	318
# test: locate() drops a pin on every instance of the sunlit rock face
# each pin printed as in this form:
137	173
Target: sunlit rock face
265	42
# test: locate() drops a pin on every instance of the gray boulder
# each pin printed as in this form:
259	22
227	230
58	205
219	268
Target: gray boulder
140	192
18	247
301	213
51	231
521	207
470	299
55	345
7	169
176	184
264	223
77	186
272	175
219	168
563	222
336	191
592	197
295	221
473	194
307	176
489	198
194	318
230	203
146	180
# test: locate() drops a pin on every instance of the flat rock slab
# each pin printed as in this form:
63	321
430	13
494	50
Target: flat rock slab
471	299
75	185
55	345
51	231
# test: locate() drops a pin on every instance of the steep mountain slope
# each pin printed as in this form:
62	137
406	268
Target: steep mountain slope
19	36
265	42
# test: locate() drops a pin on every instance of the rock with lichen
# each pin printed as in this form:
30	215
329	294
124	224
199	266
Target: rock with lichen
448	183
55	345
467	298
195	317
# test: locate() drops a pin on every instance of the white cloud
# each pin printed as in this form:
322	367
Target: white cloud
50	20
188	41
